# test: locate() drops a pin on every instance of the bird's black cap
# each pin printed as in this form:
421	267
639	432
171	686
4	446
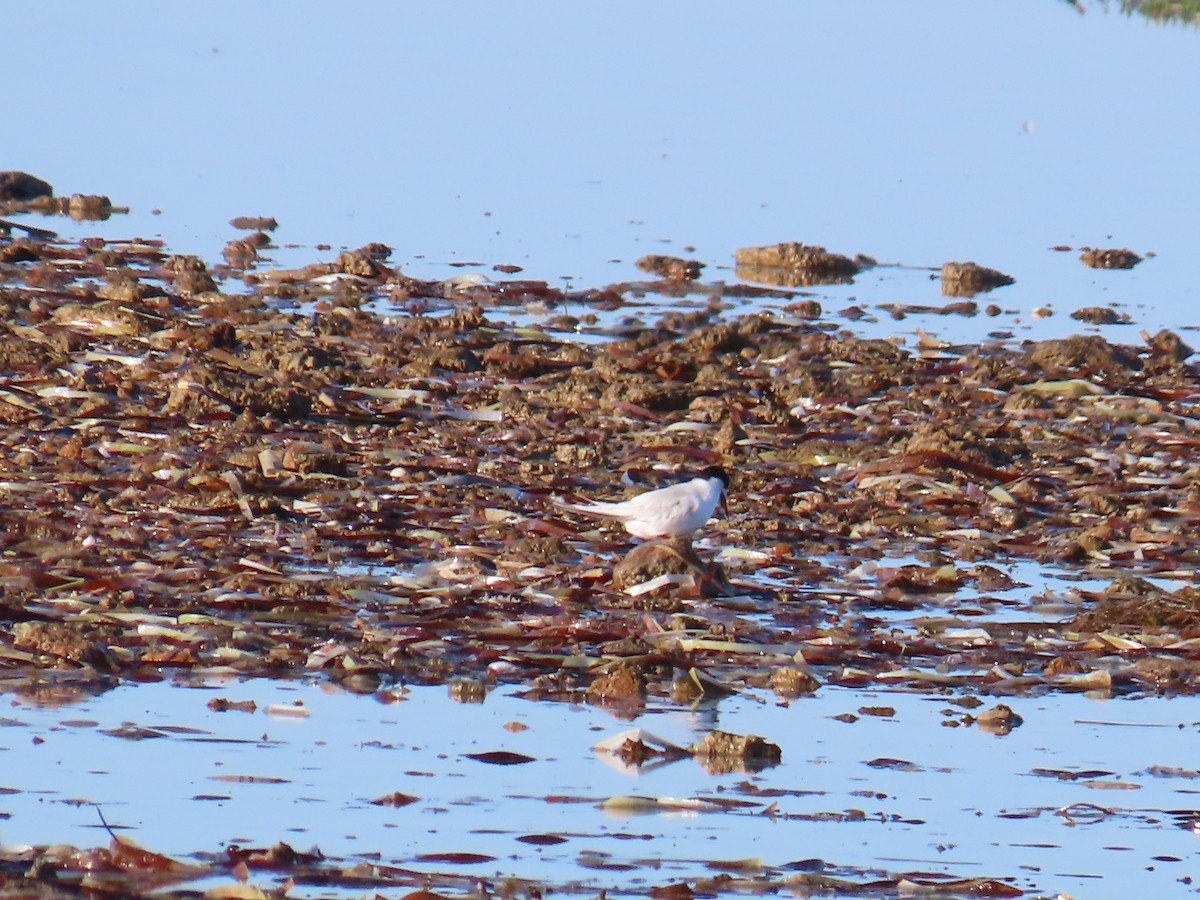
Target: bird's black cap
715	472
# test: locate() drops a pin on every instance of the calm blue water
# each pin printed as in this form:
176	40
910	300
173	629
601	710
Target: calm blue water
562	140
969	804
571	140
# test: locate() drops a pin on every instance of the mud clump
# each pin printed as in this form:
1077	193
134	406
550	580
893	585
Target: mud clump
23	186
1167	349
62	642
654	559
254	223
790	682
649	393
1083	354
722	751
795	265
671	268
1100	315
964	443
539	550
623	685
1132	603
966	279
1109	258
999	719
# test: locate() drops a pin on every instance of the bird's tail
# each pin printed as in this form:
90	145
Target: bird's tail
607	510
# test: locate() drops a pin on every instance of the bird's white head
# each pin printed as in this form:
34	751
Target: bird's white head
719	474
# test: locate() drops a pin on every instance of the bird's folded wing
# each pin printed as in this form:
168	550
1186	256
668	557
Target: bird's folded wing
664	504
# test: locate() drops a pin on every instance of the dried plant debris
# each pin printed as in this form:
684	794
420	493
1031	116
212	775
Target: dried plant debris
966	279
280	479
123	868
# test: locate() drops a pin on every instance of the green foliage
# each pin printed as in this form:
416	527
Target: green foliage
1186	11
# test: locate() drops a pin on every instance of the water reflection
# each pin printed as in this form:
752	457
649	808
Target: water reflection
861	785
930	145
52	689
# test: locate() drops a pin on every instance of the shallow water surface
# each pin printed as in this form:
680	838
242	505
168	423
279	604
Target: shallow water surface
1085	789
571	144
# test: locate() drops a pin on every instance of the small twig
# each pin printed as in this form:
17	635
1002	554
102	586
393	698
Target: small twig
103	821
32	231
